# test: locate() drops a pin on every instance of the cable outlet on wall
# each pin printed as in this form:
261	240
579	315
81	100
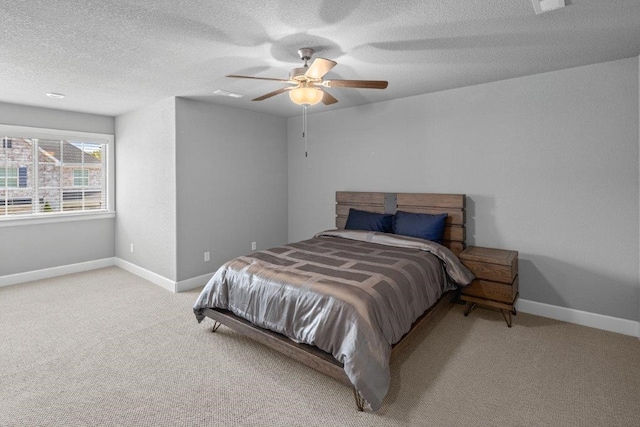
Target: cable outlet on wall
207	256
253	246
131	249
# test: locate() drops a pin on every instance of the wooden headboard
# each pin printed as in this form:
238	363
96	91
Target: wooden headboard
451	204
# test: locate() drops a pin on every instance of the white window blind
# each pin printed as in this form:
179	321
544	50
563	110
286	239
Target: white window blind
53	174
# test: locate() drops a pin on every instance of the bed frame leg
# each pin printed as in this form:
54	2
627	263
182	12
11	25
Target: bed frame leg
216	325
470	306
359	400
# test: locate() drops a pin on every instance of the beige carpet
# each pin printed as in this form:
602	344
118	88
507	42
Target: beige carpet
108	348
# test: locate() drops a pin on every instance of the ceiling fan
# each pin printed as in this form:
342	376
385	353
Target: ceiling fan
307	85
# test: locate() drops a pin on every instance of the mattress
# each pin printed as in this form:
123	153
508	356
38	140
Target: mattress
352	294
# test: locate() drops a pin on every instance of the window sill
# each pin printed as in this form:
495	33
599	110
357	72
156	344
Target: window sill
51	219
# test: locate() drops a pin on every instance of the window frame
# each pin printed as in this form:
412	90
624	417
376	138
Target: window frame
90	137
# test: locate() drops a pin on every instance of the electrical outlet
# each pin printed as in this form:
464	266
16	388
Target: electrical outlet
253	246
131	249
207	256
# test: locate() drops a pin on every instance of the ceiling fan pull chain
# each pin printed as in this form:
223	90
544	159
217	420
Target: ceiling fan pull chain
304	128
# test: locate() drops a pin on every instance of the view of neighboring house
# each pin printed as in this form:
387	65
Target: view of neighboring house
66	176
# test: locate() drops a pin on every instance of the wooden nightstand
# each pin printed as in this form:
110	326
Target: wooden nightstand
496	283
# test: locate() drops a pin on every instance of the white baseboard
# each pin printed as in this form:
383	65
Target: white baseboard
170	285
194	282
593	320
45	273
159	280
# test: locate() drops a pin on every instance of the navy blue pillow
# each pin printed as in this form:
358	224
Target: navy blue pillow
370	221
424	226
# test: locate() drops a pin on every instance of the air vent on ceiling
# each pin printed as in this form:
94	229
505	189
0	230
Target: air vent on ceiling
542	6
229	94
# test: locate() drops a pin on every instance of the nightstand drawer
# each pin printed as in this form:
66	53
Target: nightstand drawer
495	291
496	265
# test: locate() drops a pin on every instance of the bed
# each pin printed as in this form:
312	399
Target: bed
345	301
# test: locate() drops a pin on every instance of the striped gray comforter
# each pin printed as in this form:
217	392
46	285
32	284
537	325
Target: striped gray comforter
350	293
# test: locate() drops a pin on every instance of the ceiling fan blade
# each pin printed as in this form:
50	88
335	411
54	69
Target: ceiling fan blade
360	84
257	78
270	94
328	99
319	68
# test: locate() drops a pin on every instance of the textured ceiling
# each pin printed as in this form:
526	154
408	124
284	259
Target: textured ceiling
113	56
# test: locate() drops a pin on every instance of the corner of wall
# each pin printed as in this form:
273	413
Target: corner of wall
146	188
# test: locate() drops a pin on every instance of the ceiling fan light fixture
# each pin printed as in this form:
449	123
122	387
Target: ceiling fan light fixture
308	80
306	95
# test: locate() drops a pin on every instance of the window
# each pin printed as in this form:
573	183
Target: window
46	173
80	177
8	177
13	177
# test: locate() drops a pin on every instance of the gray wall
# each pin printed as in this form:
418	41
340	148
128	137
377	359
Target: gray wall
195	177
23	115
146	188
549	164
34	247
231	184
